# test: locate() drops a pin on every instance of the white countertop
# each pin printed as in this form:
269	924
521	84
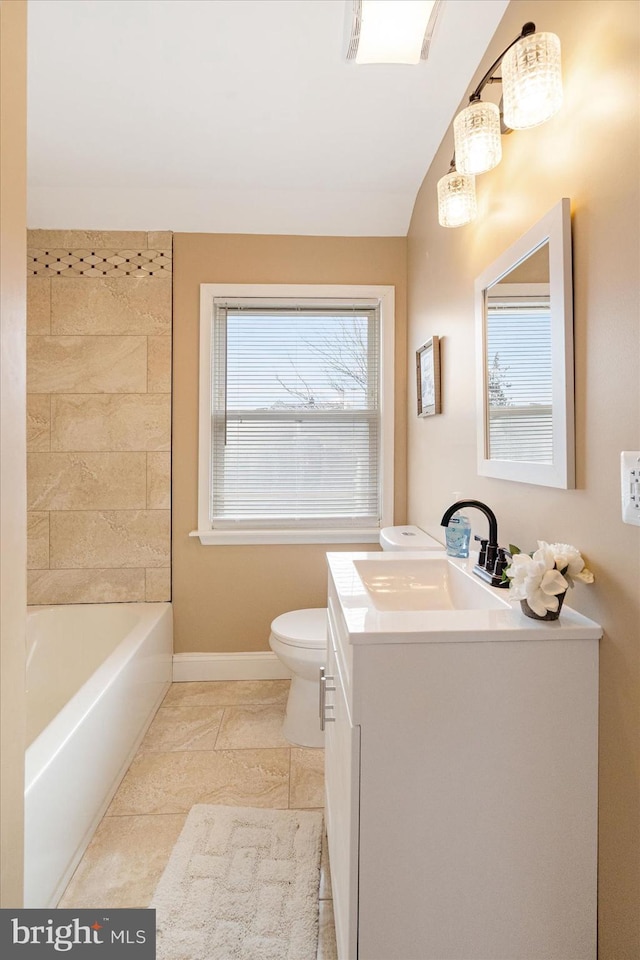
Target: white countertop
367	624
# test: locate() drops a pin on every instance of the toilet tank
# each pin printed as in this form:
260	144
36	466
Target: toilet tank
407	538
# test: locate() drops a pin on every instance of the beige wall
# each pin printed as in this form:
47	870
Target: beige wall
13	204
588	152
99	416
225	597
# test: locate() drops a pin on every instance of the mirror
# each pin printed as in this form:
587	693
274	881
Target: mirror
524	323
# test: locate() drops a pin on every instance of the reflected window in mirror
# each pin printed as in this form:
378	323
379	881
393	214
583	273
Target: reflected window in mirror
520	403
525	351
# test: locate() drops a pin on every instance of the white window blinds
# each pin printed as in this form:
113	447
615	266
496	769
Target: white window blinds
519	375
295	417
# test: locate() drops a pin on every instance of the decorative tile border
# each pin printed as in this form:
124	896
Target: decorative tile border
98	263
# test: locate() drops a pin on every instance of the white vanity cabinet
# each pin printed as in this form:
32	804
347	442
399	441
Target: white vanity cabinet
342	803
461	788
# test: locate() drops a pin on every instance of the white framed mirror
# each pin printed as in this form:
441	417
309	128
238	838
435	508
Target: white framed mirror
524	348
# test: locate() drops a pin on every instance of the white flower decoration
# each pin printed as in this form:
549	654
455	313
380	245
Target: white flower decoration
541	577
568	559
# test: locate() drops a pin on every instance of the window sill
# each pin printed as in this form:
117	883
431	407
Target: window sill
211	538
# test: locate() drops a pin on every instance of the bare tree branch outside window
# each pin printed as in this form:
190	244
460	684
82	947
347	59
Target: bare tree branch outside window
344	357
498	384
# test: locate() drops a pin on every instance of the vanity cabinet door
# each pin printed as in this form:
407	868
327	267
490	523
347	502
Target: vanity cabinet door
342	786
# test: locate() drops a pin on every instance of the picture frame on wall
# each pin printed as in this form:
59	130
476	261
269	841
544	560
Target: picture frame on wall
428	377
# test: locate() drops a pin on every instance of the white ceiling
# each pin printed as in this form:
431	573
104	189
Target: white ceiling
234	116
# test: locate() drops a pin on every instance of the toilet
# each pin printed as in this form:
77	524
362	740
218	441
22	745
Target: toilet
299	639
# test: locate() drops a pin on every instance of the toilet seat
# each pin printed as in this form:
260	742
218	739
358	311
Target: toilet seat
302	628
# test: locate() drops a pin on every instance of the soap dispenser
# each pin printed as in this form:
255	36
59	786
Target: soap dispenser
458	532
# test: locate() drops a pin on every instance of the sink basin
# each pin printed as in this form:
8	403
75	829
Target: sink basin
428	597
433	584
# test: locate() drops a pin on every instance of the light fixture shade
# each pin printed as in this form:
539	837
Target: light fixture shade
456	199
532	81
389	31
476	132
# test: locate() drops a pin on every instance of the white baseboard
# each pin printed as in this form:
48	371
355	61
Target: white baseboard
263	665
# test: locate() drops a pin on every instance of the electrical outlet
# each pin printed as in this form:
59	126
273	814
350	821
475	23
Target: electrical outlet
630	478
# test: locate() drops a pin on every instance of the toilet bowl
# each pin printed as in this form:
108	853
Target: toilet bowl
299	640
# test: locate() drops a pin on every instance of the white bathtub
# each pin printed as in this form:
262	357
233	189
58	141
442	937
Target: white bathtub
96	674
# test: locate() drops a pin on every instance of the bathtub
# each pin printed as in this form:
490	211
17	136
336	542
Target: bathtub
96	674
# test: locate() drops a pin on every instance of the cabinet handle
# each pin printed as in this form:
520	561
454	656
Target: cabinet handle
324	720
323	706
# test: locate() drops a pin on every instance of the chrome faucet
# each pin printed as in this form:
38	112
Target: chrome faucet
493	558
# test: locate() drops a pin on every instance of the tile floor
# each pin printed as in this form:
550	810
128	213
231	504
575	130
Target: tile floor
209	743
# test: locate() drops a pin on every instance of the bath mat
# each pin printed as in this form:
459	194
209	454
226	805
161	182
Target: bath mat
241	884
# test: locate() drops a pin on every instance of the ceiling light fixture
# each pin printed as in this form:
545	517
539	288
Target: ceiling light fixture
390	31
532	93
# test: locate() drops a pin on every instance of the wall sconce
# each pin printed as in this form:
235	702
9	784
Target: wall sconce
389	31
456	198
531	93
532	81
476	133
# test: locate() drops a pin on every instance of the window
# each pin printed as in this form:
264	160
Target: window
296	413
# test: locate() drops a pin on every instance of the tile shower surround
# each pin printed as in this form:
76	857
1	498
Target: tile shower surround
98	416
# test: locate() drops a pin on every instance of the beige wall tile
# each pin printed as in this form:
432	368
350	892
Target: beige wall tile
160	239
159	364
86	481
83	239
38	305
99	384
110	538
37	540
128	422
85	586
158	589
158	481
39	421
110	305
86	364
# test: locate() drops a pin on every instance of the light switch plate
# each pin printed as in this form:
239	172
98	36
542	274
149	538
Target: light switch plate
630	478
